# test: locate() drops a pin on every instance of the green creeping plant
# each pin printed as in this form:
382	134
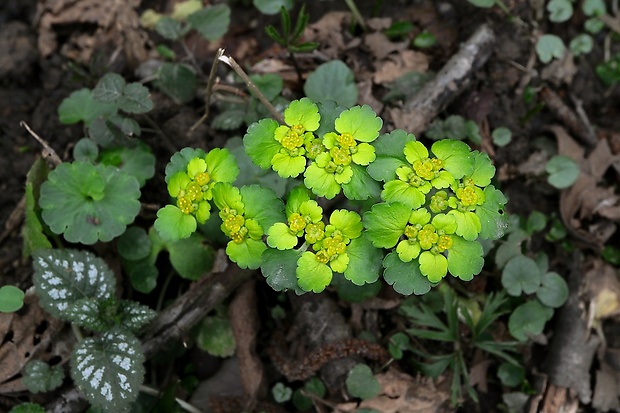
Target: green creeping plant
423	214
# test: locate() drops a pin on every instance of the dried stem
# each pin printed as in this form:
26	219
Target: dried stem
210	83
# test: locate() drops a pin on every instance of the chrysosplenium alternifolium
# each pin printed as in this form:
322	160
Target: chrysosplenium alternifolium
430	211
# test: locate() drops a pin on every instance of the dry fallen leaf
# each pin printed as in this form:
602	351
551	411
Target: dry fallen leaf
585	201
397	65
401	393
116	22
26	335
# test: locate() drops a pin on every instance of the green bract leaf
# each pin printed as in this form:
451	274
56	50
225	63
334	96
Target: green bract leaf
361	122
483	169
390	156
39	377
385	223
65	276
89	203
554	290
332	81
528	320
521	275
405	277
320	181
510	374
212	21
215	336
246	254
191	257
562	170
456	155
172	224
465	258
178	161
364	262
362	383
312	275
108	369
303	112
260	144
279	267
11	299
549	46
80	106
178	81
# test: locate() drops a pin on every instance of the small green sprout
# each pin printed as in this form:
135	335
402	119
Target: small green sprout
11	299
190	181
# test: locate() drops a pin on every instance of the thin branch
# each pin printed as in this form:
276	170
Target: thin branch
48	151
210	82
255	90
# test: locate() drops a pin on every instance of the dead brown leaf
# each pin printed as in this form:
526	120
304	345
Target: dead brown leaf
401	393
26	335
328	31
397	65
602	288
560	71
380	46
116	21
585	199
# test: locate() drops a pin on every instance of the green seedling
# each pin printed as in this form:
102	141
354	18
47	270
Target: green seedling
549	47
563	171
332	81
362	383
40	377
454	127
291	37
427	325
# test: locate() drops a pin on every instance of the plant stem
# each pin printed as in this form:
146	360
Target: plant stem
76	332
185	405
210	82
255	90
296	66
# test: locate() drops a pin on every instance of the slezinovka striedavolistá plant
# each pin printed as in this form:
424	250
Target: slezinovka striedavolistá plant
422	213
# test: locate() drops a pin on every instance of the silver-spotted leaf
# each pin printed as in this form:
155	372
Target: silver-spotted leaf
62	277
108	369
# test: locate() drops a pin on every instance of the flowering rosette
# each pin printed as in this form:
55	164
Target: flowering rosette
304	219
421	173
315	267
426	242
246	214
191	176
285	148
437	204
345	149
